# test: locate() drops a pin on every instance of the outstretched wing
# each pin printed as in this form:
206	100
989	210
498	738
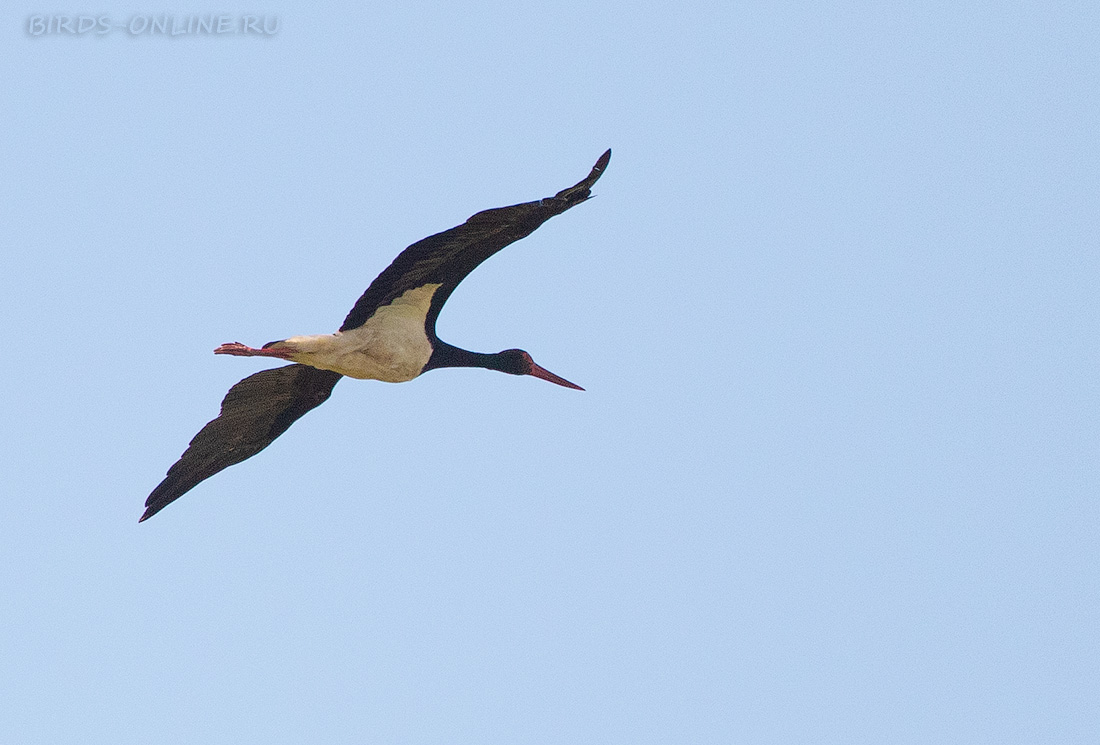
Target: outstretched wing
254	412
446	258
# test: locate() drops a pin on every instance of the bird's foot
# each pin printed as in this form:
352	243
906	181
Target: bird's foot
237	349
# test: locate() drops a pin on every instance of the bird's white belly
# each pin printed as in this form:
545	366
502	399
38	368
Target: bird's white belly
391	346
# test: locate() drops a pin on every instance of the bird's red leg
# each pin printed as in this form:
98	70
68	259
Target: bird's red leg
237	349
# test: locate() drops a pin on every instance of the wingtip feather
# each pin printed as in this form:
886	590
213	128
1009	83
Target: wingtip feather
599	168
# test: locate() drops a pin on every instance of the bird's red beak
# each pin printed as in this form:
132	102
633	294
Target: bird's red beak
543	373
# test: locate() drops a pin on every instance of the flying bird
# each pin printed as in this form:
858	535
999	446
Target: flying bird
389	335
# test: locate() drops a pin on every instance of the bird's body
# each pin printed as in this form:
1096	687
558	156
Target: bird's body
389	335
392	345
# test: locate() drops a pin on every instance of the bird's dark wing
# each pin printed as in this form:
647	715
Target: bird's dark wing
254	412
446	258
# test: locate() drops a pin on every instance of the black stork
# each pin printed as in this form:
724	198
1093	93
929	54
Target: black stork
389	335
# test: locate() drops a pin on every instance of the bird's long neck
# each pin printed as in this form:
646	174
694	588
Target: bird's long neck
447	355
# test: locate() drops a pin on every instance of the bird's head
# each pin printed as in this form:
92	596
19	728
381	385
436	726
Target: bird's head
518	362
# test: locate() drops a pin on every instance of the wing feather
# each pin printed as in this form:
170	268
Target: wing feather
446	258
254	412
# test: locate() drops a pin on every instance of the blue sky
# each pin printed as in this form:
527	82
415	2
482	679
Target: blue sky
834	478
